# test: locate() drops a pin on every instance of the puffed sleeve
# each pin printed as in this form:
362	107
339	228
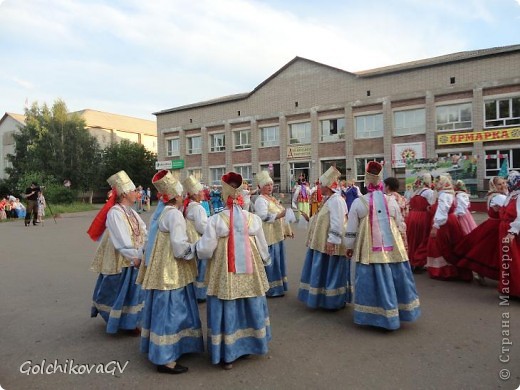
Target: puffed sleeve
515	225
255	229
174	223
209	240
354	216
338	211
429	195
441	215
120	236
497	200
199	217
395	212
295	197
462	204
261	209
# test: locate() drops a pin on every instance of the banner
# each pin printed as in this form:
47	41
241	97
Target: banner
479	136
299	151
458	167
401	153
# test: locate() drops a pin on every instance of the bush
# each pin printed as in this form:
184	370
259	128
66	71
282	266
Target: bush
58	194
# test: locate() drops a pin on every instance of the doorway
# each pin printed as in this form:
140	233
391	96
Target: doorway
298	170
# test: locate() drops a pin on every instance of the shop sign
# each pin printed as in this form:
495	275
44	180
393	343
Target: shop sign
479	136
299	151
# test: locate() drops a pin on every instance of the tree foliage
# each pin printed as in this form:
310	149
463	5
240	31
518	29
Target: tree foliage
131	157
55	145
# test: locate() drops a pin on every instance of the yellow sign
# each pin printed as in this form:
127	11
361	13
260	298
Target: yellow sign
479	136
299	151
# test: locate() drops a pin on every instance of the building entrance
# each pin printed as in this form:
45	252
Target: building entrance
297	171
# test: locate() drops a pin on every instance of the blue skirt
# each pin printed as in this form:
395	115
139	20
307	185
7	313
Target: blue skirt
118	300
171	325
201	288
385	294
237	327
325	281
277	271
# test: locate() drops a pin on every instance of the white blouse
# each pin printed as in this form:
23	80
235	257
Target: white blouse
462	203
117	225
173	221
515	225
445	200
197	214
217	228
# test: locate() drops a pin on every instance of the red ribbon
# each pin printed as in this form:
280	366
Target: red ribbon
231	240
98	225
375	187
185	204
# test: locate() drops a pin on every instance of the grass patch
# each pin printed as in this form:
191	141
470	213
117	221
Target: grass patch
76	207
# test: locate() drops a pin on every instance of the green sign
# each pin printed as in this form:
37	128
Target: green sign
177	164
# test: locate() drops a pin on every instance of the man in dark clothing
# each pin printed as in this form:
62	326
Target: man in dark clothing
31	194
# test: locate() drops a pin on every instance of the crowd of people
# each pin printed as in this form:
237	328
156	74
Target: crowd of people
12	208
362	250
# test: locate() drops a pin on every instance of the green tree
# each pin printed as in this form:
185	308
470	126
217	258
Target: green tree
57	145
131	157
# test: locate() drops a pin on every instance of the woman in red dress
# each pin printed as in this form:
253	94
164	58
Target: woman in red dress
444	236
479	250
509	279
418	223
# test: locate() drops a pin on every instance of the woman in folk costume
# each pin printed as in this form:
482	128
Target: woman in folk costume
196	220
301	197
272	214
509	281
171	325
418	223
316	198
325	279
384	287
467	223
479	250
234	243
116	296
445	234
215	197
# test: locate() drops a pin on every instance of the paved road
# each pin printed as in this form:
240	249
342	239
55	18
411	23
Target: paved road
45	290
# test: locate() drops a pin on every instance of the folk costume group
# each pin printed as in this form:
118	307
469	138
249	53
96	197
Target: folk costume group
151	281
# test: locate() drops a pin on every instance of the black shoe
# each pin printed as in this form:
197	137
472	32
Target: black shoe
199	300
178	369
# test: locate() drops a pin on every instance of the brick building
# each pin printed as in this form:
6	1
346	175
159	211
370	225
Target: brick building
308	115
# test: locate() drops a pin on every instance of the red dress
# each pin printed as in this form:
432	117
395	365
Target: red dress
441	249
479	250
418	226
509	280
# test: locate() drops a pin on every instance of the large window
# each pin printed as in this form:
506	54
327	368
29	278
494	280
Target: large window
341	165
496	157
244	171
274	170
361	165
502	112
243	139
172	147
270	136
300	133
217	142
454	117
216	174
332	129
369	126
194	145
409	122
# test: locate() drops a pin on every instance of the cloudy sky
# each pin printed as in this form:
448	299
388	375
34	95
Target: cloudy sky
136	57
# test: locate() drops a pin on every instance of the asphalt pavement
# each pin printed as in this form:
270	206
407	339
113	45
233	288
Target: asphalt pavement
465	338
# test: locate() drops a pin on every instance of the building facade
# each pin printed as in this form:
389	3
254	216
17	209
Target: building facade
107	128
308	116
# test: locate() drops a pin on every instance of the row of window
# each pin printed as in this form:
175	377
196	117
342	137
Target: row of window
498	113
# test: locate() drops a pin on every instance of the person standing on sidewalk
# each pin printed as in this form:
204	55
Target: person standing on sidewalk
31	194
117	298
